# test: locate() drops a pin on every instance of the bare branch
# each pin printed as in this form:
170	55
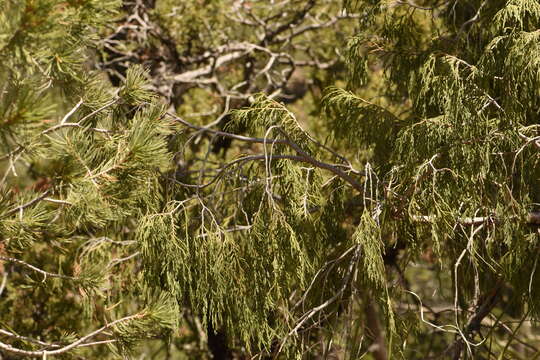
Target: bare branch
30	203
28	339
4	281
71	112
533	218
302	155
308	315
38	270
78	343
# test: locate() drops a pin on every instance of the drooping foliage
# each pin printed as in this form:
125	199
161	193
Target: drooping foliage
291	179
460	179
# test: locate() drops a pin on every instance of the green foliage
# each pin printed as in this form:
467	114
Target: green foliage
361	123
459	156
272	117
78	165
123	231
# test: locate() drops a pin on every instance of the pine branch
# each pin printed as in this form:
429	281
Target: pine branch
63	125
78	343
28	339
38	270
29	203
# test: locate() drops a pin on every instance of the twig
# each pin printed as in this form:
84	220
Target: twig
416	6
38	270
4	281
533	218
57	201
75	344
308	315
474	322
302	155
120	260
226	134
77	125
25	338
30	203
71	112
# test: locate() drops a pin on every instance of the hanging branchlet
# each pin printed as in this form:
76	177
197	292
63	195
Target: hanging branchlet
183	181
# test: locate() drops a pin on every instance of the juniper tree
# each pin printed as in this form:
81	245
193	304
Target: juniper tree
399	204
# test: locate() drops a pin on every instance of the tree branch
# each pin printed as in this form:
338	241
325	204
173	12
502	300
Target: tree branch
38	270
302	155
78	343
533	218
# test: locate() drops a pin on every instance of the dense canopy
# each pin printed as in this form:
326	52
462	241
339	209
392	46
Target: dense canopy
238	179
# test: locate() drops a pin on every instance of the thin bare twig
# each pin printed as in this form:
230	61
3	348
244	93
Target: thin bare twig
302	155
308	315
30	203
533	218
38	270
78	343
4	281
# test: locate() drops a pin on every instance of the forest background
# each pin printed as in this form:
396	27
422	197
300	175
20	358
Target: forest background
237	179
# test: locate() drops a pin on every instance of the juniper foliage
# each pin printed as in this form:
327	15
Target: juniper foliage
393	200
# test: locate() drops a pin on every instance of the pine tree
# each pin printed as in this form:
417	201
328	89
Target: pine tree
80	162
173	185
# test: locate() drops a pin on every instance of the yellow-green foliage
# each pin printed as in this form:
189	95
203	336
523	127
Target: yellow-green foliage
412	159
